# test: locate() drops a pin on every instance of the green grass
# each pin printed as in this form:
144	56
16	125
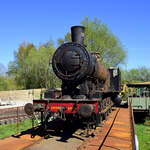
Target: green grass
11	129
143	133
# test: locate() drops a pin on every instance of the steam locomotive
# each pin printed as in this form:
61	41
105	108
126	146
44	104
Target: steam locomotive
89	90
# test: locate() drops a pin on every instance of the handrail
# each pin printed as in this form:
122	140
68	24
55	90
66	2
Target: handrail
135	143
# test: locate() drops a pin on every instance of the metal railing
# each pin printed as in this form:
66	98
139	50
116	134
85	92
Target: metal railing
135	144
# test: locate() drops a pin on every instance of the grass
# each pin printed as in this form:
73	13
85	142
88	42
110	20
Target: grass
143	133
11	129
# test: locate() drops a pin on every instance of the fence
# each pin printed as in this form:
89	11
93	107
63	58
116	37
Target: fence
12	115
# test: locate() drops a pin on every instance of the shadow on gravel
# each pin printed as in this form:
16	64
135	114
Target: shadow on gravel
56	128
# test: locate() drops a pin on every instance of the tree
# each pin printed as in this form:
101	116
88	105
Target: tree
12	69
2	70
39	68
22	76
32	66
141	74
18	68
7	83
100	39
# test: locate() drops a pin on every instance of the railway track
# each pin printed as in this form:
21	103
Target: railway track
12	115
116	133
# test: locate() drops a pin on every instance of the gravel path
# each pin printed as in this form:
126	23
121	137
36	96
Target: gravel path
55	143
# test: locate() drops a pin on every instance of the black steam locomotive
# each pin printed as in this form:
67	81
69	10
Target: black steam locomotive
88	91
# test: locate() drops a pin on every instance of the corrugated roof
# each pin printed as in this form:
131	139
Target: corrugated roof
140	84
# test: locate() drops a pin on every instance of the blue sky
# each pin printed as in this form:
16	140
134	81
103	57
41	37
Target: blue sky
38	21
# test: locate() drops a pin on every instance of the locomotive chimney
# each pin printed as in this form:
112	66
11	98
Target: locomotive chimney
77	34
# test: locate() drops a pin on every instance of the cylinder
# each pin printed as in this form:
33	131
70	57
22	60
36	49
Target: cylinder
77	34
